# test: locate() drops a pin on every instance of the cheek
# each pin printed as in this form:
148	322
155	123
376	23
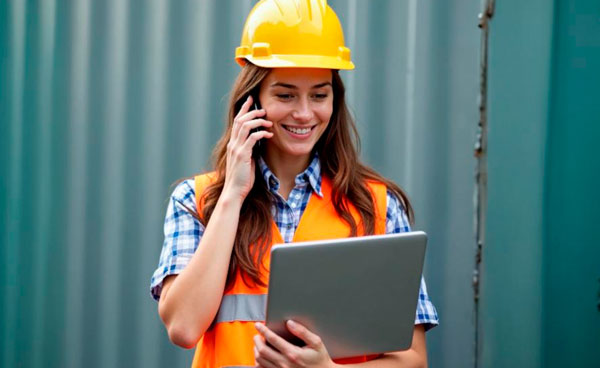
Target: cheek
275	112
323	110
272	116
325	113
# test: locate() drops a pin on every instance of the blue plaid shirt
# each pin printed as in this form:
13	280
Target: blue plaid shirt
183	231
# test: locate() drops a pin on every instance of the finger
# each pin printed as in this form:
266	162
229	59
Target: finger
264	352
265	363
236	120
239	121
255	137
245	128
250	115
311	339
277	341
245	107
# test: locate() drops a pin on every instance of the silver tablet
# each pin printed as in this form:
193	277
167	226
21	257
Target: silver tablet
358	294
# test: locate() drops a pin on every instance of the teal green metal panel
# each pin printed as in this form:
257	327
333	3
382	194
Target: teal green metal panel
541	260
519	81
572	255
4	162
104	104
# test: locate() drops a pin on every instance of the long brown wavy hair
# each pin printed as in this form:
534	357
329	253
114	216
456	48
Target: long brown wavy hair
338	150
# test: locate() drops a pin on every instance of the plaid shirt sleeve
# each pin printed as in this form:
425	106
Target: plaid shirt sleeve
397	222
182	236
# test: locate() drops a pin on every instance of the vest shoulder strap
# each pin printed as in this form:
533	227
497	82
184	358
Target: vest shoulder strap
201	182
379	193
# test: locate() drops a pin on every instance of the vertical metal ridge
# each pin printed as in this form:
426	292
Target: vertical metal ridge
113	183
411	41
197	112
351	42
152	136
15	172
80	54
41	242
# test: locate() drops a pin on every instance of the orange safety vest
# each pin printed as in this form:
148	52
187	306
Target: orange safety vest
228	342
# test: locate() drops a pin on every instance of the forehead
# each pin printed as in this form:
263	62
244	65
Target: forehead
299	77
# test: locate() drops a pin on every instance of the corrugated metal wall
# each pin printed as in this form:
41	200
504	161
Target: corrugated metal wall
104	104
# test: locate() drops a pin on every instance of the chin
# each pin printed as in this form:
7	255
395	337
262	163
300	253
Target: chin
292	150
300	151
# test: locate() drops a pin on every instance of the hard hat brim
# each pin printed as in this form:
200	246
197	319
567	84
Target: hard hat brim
297	61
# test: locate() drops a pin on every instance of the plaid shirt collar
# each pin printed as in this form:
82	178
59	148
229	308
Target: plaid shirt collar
312	175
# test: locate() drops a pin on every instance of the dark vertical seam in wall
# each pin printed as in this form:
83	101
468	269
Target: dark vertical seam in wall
481	170
546	173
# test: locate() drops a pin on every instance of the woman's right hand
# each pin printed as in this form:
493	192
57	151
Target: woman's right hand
239	175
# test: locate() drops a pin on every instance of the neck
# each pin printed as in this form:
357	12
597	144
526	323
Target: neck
287	168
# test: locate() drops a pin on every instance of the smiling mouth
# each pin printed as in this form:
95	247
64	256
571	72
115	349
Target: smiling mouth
298	130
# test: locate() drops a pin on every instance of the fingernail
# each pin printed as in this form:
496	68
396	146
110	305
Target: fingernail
291	323
257	325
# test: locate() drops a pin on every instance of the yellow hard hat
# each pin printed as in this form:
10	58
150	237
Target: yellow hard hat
293	34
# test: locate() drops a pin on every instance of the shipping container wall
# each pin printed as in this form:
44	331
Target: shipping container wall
104	104
541	262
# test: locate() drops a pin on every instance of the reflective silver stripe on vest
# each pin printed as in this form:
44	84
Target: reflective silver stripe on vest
242	307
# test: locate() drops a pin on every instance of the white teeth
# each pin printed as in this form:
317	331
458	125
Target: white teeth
298	131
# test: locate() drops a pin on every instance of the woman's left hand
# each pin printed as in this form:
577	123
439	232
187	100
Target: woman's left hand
286	355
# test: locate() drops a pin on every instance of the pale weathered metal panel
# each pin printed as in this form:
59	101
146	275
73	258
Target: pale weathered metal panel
106	103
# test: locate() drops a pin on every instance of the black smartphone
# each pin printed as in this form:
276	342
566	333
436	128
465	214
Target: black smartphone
256	106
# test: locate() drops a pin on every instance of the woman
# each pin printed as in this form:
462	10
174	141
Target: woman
287	162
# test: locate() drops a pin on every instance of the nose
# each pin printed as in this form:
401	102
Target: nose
303	112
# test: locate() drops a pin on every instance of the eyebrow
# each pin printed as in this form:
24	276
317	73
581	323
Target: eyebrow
291	86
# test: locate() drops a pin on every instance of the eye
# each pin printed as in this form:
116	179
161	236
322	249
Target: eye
284	96
320	96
